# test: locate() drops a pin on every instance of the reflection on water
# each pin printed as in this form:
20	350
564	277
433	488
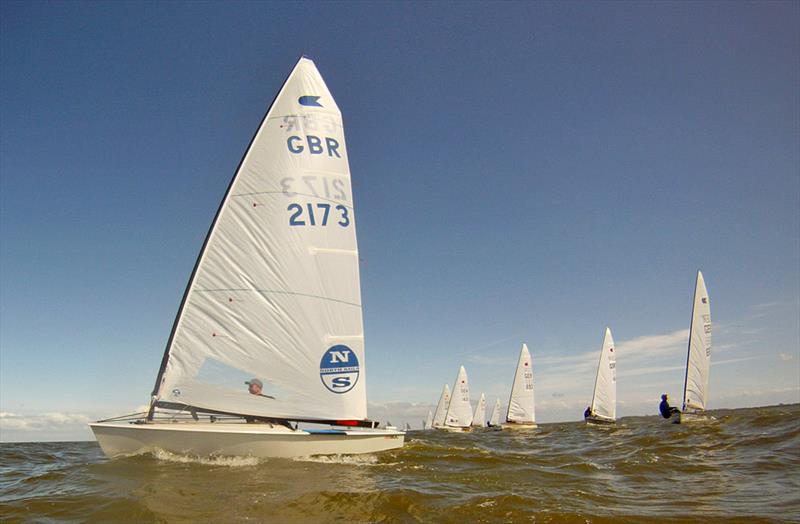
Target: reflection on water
744	464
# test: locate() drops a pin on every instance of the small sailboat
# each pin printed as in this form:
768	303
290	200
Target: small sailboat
428	422
459	412
441	407
408	427
698	359
275	294
479	418
494	419
603	409
521	413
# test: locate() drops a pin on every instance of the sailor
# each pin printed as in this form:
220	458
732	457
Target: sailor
254	387
666	410
588	412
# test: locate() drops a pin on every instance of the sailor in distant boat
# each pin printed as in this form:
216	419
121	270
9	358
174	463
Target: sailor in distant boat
666	410
588	412
254	386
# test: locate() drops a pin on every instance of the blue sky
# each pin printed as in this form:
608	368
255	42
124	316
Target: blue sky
523	172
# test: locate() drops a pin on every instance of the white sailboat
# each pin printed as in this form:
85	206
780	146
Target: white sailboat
494	419
521	413
428	422
441	407
459	412
698	359
603	409
479	417
275	294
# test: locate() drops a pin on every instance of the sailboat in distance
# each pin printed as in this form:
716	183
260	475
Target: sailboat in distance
698	359
428	422
459	412
603	409
521	413
441	407
269	332
494	419
479	418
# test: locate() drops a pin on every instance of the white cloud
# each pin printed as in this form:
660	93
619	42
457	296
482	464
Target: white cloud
786	357
43	426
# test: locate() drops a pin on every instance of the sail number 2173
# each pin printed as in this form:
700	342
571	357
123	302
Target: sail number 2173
317	214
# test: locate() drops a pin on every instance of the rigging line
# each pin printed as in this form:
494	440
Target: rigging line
278	292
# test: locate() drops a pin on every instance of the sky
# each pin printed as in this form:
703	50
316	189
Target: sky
522	172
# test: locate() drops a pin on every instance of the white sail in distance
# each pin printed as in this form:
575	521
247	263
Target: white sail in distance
459	412
698	361
275	293
479	417
604	399
494	419
441	407
428	424
521	403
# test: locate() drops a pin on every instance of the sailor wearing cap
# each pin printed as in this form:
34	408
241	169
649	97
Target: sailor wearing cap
254	386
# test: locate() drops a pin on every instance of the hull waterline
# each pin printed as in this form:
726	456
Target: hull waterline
512	425
239	439
599	421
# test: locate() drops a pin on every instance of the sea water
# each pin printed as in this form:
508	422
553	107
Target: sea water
744	465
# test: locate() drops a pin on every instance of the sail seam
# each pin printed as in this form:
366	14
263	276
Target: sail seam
294	193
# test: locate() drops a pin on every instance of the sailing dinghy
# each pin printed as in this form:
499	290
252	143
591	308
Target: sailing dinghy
494	419
698	360
603	409
275	294
479	418
521	414
441	408
459	412
428	422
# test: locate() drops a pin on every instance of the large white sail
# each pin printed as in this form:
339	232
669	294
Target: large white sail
441	407
479	418
698	362
604	400
428	424
275	293
521	403
494	420
459	412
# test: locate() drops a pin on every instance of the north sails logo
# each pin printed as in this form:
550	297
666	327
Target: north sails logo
338	369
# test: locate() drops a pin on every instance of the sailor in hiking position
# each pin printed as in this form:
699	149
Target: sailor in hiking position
254	387
666	410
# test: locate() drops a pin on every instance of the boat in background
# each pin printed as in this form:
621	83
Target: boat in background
459	412
521	412
479	418
603	409
494	419
274	294
441	408
698	359
428	422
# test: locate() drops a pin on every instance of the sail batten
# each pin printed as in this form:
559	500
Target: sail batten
275	293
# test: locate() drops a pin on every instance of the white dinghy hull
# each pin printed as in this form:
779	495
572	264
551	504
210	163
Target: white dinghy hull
255	440
515	425
599	421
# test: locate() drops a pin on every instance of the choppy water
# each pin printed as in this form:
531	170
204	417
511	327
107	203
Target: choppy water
744	466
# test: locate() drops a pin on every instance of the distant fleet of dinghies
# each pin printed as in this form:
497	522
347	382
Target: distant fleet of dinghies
603	408
275	294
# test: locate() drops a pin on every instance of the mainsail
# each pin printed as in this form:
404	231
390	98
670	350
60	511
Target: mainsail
479	418
604	400
275	292
520	405
441	407
459	412
494	420
428	424
698	361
